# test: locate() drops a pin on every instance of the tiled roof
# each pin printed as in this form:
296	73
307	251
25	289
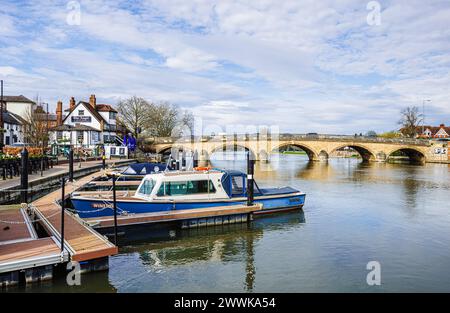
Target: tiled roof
105	108
91	109
20	98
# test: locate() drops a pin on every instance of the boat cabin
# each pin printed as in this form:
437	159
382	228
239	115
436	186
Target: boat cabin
193	185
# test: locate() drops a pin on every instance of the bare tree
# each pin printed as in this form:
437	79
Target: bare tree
36	128
410	121
133	112
166	120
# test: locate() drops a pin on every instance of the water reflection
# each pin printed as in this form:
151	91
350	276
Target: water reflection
223	244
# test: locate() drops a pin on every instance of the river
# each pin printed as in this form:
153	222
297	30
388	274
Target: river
395	214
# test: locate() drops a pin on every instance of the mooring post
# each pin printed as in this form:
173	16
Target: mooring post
115	208
24	176
71	165
63	184
250	172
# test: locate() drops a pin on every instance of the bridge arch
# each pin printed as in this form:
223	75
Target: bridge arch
414	155
226	146
312	154
365	153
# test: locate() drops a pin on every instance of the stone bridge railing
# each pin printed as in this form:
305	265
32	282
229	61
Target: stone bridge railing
289	137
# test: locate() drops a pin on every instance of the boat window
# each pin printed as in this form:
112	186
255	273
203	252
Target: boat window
186	188
147	187
237	185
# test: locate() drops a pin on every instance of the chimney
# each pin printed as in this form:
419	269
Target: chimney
59	113
442	125
93	101
72	104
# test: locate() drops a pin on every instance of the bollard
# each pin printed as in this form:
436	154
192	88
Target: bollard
115	208
24	176
71	165
63	182
250	172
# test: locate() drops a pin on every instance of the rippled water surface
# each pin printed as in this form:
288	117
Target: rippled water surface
398	215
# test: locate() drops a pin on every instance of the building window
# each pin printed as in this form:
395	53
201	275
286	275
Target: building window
112	115
105	138
113	151
80	136
80	112
59	135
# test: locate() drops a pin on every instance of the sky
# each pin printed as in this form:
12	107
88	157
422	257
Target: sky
331	67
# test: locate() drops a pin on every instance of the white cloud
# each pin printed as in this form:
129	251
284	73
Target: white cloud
305	65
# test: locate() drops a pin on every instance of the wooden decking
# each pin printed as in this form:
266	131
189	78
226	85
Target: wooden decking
15	226
32	253
82	242
170	216
20	247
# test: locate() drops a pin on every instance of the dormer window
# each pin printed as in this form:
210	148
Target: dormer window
112	115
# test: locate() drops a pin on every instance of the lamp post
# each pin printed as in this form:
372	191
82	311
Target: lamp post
423	114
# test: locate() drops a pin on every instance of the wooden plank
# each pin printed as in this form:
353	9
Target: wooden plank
173	215
28	249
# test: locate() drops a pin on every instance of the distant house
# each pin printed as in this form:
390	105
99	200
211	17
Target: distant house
434	132
13	128
19	105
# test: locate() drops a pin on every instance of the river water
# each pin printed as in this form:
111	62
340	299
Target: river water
395	214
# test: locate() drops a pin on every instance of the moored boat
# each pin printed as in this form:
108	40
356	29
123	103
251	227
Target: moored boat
182	190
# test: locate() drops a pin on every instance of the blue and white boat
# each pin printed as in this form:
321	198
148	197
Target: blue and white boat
182	190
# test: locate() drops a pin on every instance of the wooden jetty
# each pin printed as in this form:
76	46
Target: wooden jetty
82	241
21	251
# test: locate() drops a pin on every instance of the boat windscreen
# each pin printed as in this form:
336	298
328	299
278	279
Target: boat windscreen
147	187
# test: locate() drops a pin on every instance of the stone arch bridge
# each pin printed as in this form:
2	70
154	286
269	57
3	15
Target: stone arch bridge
318	148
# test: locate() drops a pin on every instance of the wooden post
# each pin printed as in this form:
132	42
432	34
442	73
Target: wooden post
24	176
115	208
63	182
71	164
250	172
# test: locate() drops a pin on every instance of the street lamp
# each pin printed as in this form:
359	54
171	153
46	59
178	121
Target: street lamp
423	114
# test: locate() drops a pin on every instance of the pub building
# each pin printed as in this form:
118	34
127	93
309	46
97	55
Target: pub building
87	125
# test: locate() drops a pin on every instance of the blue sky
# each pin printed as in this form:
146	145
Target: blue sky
304	66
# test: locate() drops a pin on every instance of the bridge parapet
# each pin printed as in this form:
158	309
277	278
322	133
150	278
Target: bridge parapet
290	137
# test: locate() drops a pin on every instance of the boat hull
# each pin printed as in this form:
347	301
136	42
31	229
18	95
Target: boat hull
89	208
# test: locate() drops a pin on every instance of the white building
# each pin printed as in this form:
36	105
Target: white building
19	105
13	128
87	124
